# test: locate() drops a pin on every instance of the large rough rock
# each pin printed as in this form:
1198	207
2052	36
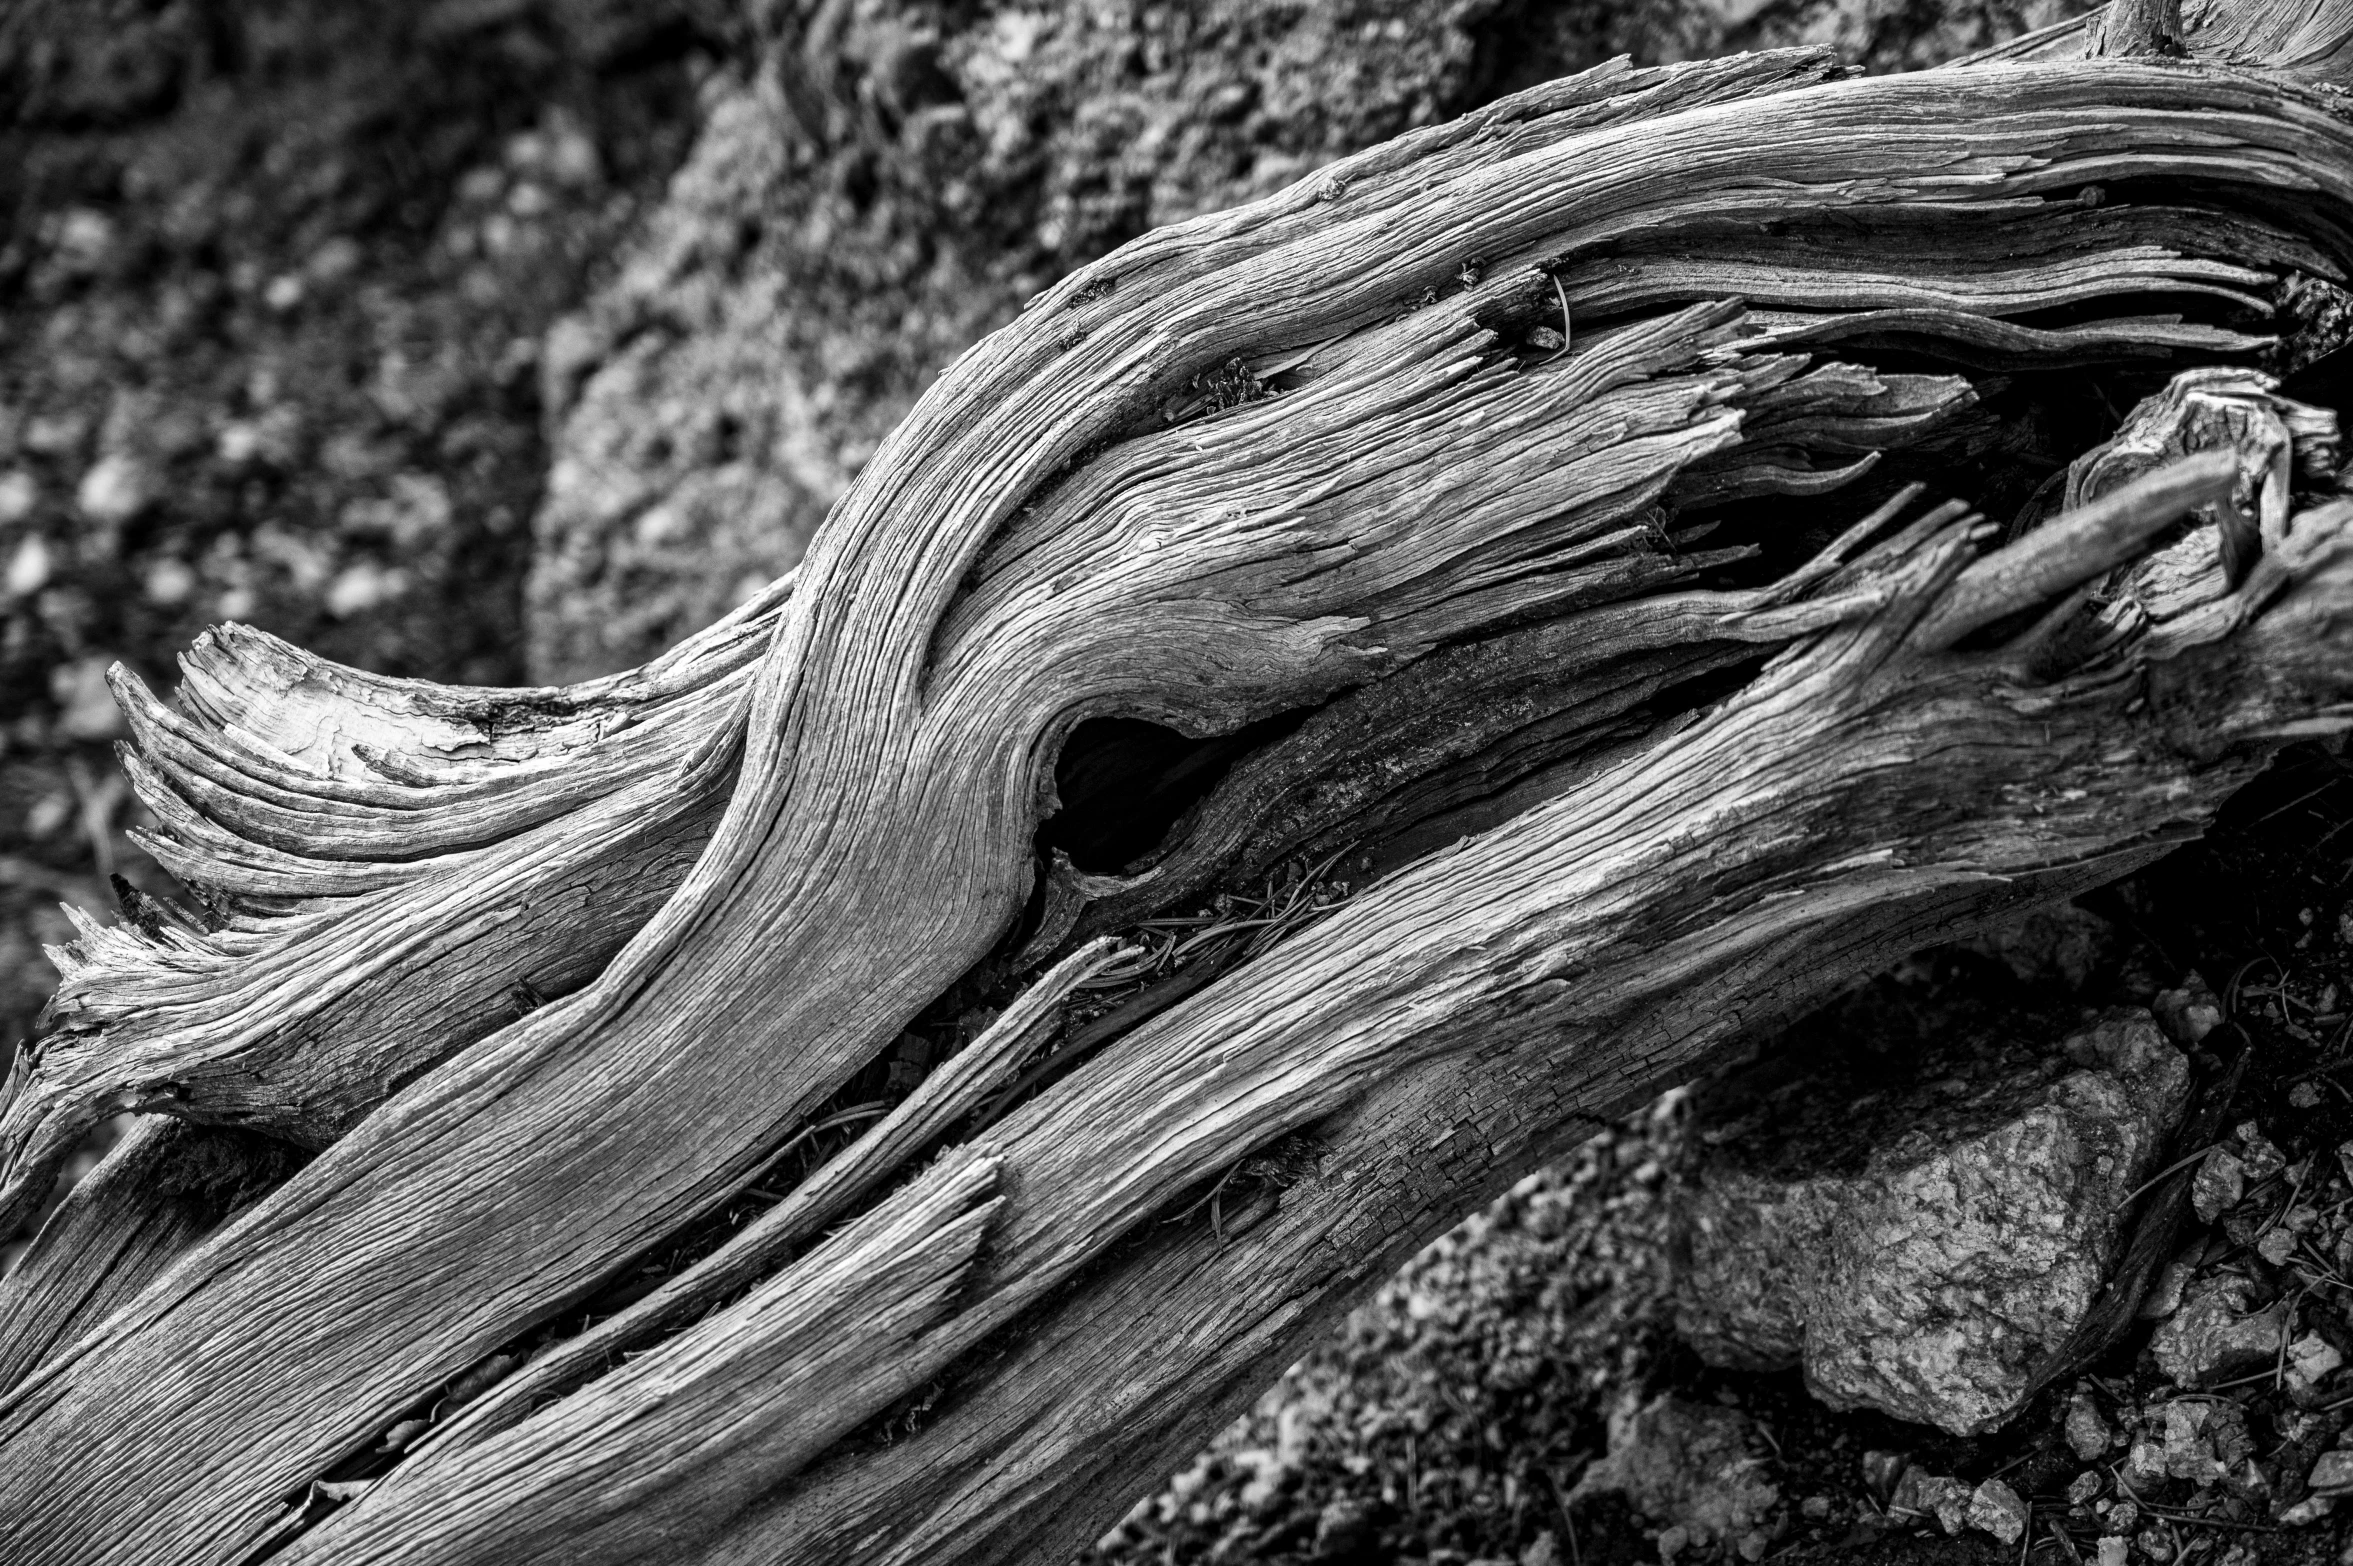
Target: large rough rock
899	176
1918	1231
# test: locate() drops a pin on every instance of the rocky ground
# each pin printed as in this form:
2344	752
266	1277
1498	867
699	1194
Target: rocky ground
496	340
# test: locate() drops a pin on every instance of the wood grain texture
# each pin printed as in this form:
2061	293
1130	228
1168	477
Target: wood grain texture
390	870
2312	38
162	1187
1232	471
1607	944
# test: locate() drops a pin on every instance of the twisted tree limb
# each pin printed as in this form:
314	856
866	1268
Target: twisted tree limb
1541	801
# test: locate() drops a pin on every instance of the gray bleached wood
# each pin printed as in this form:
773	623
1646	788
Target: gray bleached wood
1038	545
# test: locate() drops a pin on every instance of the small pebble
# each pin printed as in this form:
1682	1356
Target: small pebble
2189	1454
170	582
334	261
2332	1475
1997	1509
2164	1296
115	490
2088	1435
18	494
2220	1182
1923	1495
2311	1359
2189	1013
29	566
2257	1152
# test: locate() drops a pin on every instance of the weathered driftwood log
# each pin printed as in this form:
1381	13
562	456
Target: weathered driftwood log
1524	520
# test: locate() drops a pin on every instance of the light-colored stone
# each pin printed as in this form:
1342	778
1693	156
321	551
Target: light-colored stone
29	566
2332	1475
1921	1495
2258	1154
18	495
2311	1360
1883	1471
2219	1183
2089	1434
115	489
2164	1296
2189	1453
1920	1245
2217	1335
1995	1508
2188	1013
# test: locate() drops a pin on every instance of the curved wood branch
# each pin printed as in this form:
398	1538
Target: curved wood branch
1232	471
